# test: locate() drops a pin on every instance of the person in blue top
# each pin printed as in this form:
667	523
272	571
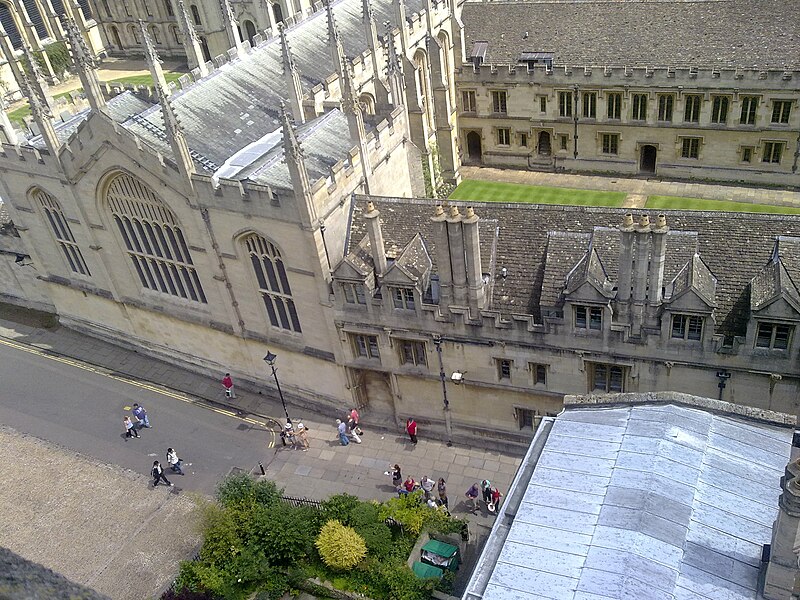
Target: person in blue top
141	415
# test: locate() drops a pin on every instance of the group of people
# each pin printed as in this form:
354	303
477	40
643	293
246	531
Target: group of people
296	437
490	495
426	484
351	430
132	431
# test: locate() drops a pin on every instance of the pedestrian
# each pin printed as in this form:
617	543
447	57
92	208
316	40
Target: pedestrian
354	436
411	428
441	486
409	485
227	383
302	436
342	429
174	462
486	490
130	430
141	415
288	434
397	477
496	496
472	494
354	420
158	474
427	486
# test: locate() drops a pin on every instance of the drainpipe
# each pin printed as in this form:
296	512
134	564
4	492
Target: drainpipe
575	117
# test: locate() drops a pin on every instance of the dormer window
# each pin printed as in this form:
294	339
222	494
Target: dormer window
354	293
687	327
403	298
588	317
774	336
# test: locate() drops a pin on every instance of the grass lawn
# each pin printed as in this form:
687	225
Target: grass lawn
18	115
146	79
492	191
678	203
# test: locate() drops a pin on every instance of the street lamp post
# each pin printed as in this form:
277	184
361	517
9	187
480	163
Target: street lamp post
270	360
437	341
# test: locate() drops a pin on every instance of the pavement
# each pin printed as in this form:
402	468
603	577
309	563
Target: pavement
326	468
638	189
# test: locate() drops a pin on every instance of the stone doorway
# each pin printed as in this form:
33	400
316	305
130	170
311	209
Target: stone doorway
543	147
474	150
372	390
647	159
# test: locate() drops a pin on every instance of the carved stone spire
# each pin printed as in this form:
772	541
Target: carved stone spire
42	114
335	41
153	62
231	26
37	82
191	41
394	69
295	161
355	122
371	32
291	76
172	126
402	24
85	64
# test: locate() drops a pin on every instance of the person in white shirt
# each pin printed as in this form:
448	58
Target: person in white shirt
174	461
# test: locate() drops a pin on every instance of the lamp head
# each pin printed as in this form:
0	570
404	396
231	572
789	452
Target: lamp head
270	358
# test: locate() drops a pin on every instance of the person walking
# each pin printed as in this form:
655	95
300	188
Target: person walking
289	435
302	436
158	474
426	483
354	435
409	485
141	415
174	462
354	420
342	429
441	487
397	477
486	490
411	428
227	383
130	430
472	495
496	496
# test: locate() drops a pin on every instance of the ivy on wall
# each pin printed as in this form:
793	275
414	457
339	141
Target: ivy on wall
59	59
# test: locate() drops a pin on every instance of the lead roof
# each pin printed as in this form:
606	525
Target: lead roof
722	34
734	247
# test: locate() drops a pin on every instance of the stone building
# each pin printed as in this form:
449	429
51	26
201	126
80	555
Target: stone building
705	90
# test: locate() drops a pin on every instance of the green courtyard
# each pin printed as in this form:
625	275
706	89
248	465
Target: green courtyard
477	190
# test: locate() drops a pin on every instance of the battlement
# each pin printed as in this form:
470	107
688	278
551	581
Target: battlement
607	76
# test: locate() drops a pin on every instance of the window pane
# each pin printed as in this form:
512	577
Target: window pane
600	377
615	381
407	353
580	317
678	326
596	318
695	328
764	336
781	337
373	347
422	359
293	315
541	374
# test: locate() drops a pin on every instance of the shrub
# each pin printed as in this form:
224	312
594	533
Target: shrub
240	488
284	534
222	542
403	584
366	513
340	547
378	538
339	508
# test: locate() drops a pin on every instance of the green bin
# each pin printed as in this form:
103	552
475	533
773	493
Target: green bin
425	571
441	555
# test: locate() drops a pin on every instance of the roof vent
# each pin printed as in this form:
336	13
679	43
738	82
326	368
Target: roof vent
370	206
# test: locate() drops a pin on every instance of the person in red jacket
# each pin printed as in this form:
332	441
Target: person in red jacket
411	428
227	383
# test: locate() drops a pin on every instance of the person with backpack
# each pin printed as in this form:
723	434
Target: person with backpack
158	474
174	462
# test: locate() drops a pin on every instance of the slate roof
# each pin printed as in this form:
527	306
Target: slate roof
238	103
415	261
725	33
734	246
643	501
695	276
771	282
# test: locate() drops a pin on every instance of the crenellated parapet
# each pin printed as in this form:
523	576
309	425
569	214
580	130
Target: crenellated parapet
616	76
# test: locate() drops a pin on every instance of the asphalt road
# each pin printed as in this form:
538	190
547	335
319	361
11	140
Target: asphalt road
82	410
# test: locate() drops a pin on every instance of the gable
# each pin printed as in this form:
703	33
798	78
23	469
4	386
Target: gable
779	308
586	292
345	270
689	300
396	276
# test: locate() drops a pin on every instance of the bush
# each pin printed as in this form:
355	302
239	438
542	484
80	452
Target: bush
284	534
222	541
339	508
340	547
241	488
366	513
378	538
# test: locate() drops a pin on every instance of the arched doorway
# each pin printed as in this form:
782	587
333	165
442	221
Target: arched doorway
250	31
474	150
647	159
276	10
116	38
204	48
543	146
367	103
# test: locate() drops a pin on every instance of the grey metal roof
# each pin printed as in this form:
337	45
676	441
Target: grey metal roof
725	33
656	502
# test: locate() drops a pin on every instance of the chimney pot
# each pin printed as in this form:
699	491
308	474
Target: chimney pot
439	210
644	221
454	211
370	206
627	220
470	212
661	223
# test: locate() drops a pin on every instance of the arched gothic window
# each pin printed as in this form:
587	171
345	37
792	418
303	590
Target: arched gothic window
155	35
176	35
168	6
10	25
272	283
135	35
61	229
195	14
154	240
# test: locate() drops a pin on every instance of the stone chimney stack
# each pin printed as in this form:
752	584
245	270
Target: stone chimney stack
781	576
443	258
658	256
458	262
372	215
625	269
476	290
640	270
